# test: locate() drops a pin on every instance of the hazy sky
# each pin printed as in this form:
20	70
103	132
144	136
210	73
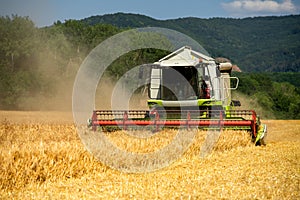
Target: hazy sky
46	12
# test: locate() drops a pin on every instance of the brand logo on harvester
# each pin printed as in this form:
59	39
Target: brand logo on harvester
84	92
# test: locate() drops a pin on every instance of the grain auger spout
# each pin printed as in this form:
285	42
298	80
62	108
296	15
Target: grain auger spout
186	89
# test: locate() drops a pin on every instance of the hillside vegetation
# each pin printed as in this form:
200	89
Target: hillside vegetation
257	44
38	65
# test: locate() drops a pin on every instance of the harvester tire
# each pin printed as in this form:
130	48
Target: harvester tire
216	111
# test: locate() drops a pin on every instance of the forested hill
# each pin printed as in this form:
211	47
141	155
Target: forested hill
259	44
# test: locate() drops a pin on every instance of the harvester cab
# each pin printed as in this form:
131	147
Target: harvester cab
189	80
186	89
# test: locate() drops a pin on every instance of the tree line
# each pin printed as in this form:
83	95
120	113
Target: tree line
278	96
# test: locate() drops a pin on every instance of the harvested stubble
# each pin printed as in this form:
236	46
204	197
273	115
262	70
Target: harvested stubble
49	161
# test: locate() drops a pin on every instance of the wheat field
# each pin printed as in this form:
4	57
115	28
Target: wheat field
42	157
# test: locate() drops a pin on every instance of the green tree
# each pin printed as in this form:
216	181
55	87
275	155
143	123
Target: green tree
17	39
17	50
286	100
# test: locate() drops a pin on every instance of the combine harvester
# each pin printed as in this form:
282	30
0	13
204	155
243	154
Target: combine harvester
186	89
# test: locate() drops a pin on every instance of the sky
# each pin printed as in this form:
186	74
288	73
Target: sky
46	12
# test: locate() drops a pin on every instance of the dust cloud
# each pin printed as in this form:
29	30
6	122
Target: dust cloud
55	85
58	96
109	96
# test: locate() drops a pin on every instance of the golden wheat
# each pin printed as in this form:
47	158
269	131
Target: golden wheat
47	160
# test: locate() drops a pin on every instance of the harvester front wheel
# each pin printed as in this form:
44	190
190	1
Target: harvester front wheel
158	110
216	112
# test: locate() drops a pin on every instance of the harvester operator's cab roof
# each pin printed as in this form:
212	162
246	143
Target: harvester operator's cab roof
184	56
